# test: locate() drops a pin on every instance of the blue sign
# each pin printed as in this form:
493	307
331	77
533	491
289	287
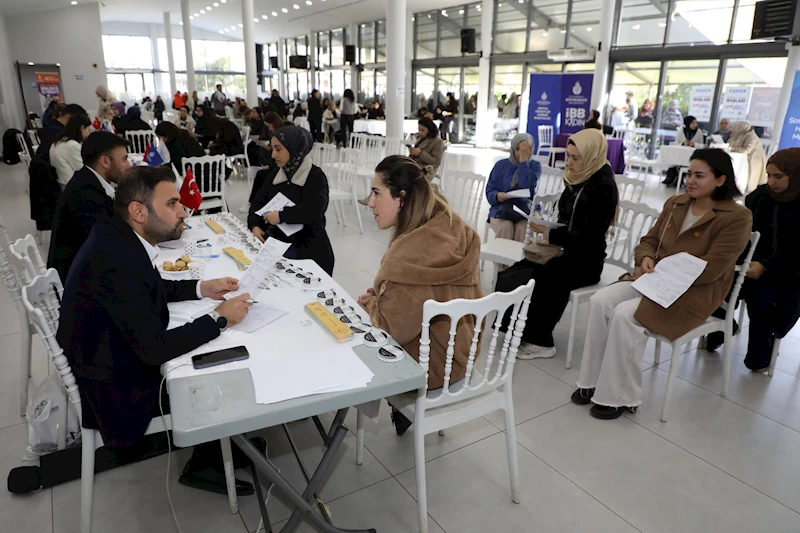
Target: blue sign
559	100
545	104
790	135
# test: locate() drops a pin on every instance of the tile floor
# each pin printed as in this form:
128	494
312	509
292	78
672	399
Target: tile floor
727	465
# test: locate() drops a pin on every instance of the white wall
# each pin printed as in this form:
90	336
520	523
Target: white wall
11	110
71	37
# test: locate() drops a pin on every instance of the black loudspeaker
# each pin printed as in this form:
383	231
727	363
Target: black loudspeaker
273	62
468	41
350	53
299	62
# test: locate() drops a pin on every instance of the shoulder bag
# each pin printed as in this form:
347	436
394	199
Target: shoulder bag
540	251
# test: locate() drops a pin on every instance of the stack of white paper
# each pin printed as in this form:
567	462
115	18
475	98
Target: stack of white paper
258	316
519	193
671	278
298	374
278	202
259	269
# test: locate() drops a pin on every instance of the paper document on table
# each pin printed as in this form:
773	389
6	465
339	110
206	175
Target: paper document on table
258	316
671	278
269	254
547	223
278	202
519	193
298	374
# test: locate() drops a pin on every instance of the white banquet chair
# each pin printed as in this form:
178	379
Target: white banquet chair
711	325
631	189
42	300
464	192
342	188
24	152
479	393
546	144
139	140
33	135
209	173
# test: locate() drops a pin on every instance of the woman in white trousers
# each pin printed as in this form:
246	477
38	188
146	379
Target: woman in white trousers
705	222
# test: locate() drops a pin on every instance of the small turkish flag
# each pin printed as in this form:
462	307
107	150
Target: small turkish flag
96	124
190	192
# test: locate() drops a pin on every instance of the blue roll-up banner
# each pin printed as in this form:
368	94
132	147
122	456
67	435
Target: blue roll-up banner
790	135
558	100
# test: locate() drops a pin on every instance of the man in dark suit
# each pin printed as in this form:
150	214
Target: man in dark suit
88	198
114	314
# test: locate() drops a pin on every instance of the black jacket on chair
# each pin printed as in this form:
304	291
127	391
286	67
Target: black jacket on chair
44	193
83	204
113	331
184	146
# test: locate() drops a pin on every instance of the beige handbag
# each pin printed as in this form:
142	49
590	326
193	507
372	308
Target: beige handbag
540	251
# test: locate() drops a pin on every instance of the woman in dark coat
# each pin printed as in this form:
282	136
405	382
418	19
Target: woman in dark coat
180	144
159	108
315	115
586	209
772	288
134	120
304	184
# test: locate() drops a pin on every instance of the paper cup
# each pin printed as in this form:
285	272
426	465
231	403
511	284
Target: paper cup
197	269
190	247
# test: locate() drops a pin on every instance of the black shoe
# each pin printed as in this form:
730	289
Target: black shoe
212	480
610	413
582	396
717	339
401	423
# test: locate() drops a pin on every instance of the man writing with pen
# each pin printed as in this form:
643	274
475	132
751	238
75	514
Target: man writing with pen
114	318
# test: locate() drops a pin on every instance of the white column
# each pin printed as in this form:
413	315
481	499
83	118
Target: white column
187	41
282	60
409	56
251	76
792	66
355	78
13	115
484	123
312	62
173	82
600	82
395	67
156	60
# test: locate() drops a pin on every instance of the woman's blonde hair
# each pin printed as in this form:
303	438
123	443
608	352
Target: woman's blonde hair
420	201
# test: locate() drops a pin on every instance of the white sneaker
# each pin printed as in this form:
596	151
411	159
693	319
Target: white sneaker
527	350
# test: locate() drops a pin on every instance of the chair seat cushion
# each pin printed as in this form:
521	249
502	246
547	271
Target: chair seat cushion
503	251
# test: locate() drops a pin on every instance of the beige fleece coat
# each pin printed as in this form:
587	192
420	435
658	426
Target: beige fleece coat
438	261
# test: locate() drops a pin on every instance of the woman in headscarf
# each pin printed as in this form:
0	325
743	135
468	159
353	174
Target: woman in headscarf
104	111
707	223
689	134
744	140
134	122
516	173
724	130
306	185
118	112
672	118
772	288
586	209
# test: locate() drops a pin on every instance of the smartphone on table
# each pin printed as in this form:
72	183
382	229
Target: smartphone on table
220	357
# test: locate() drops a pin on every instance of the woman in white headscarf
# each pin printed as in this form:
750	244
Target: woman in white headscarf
745	141
104	111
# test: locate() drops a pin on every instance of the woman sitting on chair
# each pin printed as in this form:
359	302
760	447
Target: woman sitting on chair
304	184
705	222
433	255
518	172
180	144
429	149
586	209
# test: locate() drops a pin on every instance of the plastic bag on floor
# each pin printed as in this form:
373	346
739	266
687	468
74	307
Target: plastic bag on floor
44	417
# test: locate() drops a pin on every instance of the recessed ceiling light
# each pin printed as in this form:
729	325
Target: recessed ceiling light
74	2
563	32
637	26
264	17
202	11
274	14
255	19
180	22
221	31
226	30
285	10
191	17
58	64
233	28
296	6
30	63
223	1
460	11
208	8
215	4
308	2
662	24
241	25
589	28
544	34
521	1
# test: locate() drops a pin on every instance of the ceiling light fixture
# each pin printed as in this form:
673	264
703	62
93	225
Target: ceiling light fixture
215	4
285	10
191	17
637	26
223	1
296	6
255	19
233	28
264	17
208	8
180	23
589	28
74	2
563	32
58	64
30	63
241	25
308	2
662	24
274	14
202	11
544	34
221	31
196	15
226	30
460	11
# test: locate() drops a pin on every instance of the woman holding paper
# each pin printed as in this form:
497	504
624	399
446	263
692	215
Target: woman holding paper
516	174
304	185
705	222
586	209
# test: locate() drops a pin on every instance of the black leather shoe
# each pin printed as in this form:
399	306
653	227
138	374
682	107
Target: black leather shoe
401	423
211	480
582	396
604	412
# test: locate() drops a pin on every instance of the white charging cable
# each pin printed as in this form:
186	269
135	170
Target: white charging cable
169	444
269	490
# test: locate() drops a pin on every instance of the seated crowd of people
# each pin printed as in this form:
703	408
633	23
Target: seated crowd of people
109	218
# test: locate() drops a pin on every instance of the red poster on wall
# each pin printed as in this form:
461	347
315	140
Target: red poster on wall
48	85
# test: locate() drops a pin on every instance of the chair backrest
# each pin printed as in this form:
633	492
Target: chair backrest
495	373
323	155
629	188
395	147
26	259
544	206
371	148
545	135
638	145
465	192
42	300
10	277
148	116
770	147
350	156
23	146
730	310
634	220
440	170
33	135
245	134
551	181
139	140
209	173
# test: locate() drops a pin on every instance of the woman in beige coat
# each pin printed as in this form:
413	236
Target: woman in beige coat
429	150
705	222
433	255
744	140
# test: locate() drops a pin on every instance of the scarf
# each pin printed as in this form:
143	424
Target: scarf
740	131
688	132
593	148
297	142
516	141
788	161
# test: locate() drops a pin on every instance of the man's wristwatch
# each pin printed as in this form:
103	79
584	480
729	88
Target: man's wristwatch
221	321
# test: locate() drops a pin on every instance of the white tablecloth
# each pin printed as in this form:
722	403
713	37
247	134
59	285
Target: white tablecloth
373	127
670	134
671	156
